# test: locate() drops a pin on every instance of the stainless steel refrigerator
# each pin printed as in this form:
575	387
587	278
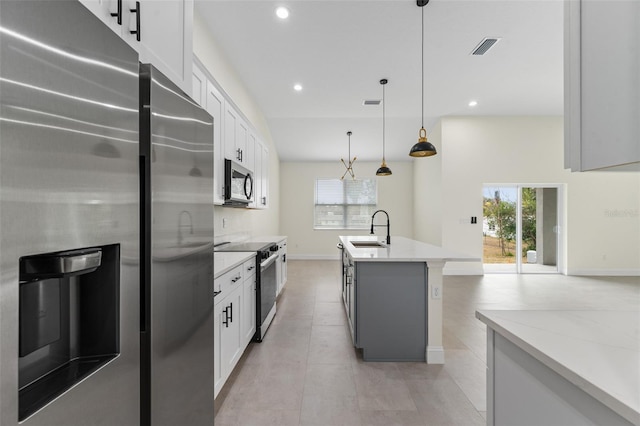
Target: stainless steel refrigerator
176	137
106	224
69	219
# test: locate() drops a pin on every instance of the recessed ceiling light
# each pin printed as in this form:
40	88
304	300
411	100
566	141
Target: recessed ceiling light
473	103
282	12
297	87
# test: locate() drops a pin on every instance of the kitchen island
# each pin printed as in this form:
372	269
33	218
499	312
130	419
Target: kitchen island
393	297
563	367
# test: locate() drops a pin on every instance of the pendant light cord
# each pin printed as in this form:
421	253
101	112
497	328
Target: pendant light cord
422	52
383	108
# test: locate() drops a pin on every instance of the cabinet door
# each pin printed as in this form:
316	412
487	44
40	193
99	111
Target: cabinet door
231	118
283	259
249	310
166	36
230	331
215	107
250	157
242	136
199	85
257	175
107	11
602	85
217	346
250	152
265	177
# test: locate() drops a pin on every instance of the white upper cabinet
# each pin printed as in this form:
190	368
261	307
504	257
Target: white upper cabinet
250	163
160	31
257	175
235	136
264	198
261	175
215	107
199	85
602	85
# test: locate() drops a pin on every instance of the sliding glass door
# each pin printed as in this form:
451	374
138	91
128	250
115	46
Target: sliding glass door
521	228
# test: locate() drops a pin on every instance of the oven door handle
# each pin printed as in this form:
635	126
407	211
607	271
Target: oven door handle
266	263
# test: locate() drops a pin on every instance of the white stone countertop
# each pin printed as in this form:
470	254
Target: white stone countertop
268	239
598	351
401	249
224	261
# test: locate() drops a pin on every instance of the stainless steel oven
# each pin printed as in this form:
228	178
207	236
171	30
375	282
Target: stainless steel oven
268	294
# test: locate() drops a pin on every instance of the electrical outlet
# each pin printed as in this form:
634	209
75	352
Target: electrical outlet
224	222
436	292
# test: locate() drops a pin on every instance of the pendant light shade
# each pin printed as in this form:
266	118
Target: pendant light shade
349	166
383	170
423	148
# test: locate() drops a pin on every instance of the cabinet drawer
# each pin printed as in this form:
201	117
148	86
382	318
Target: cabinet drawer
249	268
227	282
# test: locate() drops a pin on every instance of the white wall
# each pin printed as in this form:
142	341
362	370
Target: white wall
602	226
297	183
240	223
427	193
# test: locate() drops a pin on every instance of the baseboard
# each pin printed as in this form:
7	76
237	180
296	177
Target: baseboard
435	355
313	256
463	268
605	272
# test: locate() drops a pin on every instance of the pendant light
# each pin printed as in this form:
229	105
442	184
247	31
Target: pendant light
423	148
383	170
350	165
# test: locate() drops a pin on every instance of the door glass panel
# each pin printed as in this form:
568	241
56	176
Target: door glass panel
539	225
499	229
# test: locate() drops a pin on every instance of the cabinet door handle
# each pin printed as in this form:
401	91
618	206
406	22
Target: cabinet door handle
231	312
250	268
118	13
225	321
137	12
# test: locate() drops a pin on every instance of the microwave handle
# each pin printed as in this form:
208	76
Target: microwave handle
250	179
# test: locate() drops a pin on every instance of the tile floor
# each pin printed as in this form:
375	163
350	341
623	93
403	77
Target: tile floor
306	372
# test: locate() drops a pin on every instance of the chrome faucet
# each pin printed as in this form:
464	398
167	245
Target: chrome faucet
180	225
388	227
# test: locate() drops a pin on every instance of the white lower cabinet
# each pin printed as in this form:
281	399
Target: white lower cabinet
234	318
248	322
281	267
231	347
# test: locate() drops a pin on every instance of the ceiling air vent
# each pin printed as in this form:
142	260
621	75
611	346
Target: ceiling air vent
484	46
371	102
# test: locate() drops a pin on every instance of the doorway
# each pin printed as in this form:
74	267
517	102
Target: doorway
521	228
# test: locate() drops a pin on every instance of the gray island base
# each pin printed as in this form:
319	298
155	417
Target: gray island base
391	310
392	295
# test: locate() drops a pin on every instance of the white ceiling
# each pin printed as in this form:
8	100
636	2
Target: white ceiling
339	51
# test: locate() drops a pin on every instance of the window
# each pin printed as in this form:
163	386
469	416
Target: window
344	204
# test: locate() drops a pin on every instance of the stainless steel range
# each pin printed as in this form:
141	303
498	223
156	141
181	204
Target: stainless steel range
266	282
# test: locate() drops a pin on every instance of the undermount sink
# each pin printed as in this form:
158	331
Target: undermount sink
367	244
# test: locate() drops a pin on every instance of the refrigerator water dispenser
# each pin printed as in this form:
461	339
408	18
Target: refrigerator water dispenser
68	321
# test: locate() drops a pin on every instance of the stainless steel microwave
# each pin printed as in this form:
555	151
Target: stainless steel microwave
238	185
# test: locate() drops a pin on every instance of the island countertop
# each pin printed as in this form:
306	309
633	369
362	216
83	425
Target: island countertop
401	249
597	351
